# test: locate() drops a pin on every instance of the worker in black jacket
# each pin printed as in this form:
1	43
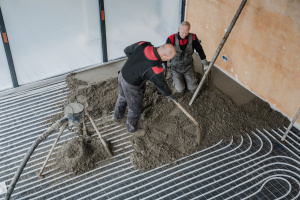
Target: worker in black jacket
144	63
181	66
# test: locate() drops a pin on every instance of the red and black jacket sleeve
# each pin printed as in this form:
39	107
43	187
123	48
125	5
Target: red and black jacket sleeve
128	50
197	45
171	39
156	76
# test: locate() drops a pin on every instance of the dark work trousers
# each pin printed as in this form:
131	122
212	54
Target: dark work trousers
133	97
184	76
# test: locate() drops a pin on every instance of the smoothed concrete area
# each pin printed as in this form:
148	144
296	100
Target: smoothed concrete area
231	88
101	73
225	84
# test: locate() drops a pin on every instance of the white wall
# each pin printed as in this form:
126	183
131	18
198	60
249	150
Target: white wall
130	21
52	37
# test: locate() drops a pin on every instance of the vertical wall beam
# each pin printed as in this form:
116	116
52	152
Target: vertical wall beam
103	30
182	10
7	51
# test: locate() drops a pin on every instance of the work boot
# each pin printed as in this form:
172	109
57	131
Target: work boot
179	94
193	91
138	133
118	121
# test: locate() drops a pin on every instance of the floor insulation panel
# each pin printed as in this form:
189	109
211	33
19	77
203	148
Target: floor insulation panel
256	167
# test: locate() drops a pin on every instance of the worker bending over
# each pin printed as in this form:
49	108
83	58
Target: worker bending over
144	63
181	66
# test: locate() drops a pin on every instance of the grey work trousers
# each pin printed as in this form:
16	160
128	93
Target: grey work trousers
131	96
184	76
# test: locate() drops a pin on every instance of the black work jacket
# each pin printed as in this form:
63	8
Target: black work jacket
144	63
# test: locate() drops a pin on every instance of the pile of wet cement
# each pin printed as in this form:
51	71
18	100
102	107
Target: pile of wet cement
80	155
169	133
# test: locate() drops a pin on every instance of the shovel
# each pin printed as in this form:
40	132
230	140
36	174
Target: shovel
199	130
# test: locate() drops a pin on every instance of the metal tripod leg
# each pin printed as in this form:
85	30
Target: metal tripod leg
101	139
52	148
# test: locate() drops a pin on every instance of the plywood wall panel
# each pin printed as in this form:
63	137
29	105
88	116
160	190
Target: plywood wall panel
262	49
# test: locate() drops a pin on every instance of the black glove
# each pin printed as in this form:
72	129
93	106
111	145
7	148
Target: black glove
172	98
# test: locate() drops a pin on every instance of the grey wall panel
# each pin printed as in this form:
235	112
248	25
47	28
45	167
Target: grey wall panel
138	20
52	37
5	79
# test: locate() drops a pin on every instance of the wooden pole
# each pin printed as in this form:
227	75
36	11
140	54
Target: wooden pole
236	16
199	129
186	113
291	124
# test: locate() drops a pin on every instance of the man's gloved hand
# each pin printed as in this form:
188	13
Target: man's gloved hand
172	98
205	64
164	65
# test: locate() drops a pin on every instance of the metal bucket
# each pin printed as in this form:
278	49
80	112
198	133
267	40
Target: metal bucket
75	113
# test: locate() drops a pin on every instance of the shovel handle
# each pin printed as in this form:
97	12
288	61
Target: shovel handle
187	114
